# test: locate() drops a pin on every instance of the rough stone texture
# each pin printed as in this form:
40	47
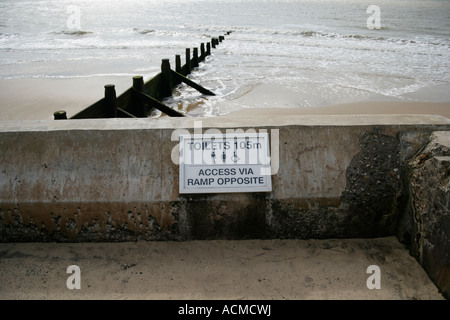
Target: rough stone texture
114	180
426	226
374	186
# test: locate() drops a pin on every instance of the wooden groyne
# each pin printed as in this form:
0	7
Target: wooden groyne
143	97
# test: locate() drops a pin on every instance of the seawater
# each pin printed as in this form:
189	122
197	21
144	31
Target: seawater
321	51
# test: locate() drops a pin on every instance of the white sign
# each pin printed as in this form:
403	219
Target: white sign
221	163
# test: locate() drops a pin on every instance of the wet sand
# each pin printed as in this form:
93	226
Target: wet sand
367	107
38	99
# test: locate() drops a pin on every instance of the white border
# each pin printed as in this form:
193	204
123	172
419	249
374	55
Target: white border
267	187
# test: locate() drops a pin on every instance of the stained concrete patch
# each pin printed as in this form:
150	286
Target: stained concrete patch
214	269
374	186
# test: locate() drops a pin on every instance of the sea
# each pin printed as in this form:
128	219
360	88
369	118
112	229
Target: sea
322	52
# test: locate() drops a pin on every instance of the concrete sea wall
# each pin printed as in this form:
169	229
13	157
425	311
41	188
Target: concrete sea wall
336	177
425	226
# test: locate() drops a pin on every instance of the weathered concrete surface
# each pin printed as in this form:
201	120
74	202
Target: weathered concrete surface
426	225
114	180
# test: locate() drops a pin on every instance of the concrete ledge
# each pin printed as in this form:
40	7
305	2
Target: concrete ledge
225	122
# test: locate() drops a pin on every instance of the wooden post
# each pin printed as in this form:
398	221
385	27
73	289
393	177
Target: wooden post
221	38
195	58
178	63
137	105
110	101
60	115
202	51
208	48
188	61
166	81
213	43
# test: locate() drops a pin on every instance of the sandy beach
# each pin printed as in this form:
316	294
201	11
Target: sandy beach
367	107
38	99
330	269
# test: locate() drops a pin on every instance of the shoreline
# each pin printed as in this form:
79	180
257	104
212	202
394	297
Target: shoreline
38	99
353	108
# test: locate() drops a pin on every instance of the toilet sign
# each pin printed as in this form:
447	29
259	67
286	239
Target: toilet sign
222	163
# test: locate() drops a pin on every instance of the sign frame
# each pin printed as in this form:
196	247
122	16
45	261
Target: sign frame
251	172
